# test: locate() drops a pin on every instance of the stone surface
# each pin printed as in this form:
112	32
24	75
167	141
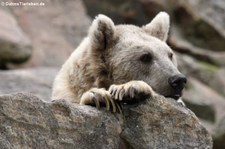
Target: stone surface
178	43
201	95
211	75
36	81
197	35
121	11
202	109
219	135
160	123
55	29
202	21
28	122
218	82
204	94
15	46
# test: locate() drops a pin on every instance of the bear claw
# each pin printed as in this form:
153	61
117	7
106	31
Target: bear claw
130	90
98	97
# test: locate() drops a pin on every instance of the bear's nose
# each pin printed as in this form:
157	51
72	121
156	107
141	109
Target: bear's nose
177	82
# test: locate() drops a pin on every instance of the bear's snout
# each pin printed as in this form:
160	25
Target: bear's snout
177	82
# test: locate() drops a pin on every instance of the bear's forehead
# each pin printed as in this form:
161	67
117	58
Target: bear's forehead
128	30
130	35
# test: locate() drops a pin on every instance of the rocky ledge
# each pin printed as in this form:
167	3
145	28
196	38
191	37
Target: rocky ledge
28	122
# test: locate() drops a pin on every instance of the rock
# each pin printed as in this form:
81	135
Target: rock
202	21
218	82
199	95
209	74
202	109
15	46
208	125
55	30
219	135
36	81
181	45
212	11
26	121
125	11
154	125
138	12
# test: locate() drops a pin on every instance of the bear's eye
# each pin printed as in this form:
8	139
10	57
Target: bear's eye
146	58
170	55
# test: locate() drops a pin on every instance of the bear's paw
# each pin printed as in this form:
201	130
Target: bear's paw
100	97
132	91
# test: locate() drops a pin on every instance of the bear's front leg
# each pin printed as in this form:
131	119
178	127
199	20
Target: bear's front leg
132	91
100	97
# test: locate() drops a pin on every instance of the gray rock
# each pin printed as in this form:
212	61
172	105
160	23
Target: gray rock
55	30
15	46
219	135
211	75
202	109
160	123
181	45
218	82
200	95
201	22
36	81
28	122
123	11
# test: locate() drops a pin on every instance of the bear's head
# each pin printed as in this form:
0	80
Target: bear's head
126	52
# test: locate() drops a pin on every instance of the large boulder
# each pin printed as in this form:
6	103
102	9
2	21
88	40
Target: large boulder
202	20
55	29
219	135
218	82
36	81
26	121
205	102
15	46
178	43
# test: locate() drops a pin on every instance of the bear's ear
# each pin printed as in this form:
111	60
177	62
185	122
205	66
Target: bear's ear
159	26
101	32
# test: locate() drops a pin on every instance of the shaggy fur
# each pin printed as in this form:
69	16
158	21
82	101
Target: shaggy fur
115	62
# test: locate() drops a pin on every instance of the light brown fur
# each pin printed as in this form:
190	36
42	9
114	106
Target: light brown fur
112	62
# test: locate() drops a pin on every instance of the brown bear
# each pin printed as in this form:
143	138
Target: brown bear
120	63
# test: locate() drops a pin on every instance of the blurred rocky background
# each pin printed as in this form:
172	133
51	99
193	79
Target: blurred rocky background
36	40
